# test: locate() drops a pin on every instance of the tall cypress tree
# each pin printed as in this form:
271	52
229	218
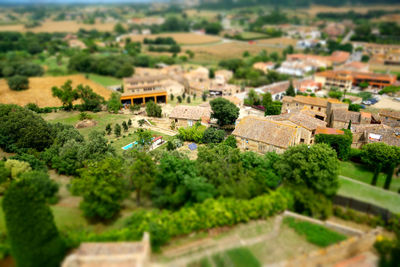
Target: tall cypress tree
290	91
34	238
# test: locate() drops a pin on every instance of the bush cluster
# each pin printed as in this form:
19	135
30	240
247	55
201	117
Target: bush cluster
163	225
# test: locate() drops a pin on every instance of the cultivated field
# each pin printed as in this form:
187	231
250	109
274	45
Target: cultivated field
207	14
59	26
39	91
314	9
278	41
181	38
214	53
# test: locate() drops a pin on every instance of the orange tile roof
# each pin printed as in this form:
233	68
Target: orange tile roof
316	101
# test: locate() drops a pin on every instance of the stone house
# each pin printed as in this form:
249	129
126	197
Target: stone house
340	118
372	133
390	117
263	135
187	116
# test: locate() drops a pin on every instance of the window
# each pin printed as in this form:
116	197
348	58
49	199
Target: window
190	123
176	120
312	107
319	109
302	140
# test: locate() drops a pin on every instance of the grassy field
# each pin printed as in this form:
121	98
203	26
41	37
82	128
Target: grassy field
59	26
278	41
182	38
314	9
104	80
252	35
212	54
52	67
102	119
360	173
370	194
39	91
315	234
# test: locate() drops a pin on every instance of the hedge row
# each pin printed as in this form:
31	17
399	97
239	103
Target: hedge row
163	225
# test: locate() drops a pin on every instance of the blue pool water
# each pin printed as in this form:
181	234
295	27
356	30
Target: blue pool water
128	146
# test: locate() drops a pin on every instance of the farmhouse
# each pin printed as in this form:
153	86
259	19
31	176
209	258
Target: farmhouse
183	116
264	135
141	89
264	66
308	124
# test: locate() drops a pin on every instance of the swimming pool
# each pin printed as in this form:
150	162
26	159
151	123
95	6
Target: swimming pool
128	146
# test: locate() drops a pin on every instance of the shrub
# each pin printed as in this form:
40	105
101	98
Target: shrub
212	213
34	162
48	188
153	110
194	133
18	83
308	203
17	167
34	238
341	143
213	135
85	116
231	141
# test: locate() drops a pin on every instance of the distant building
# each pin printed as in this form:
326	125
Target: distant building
264	66
345	79
355	66
372	133
294	68
278	89
341	118
390	117
187	116
313	104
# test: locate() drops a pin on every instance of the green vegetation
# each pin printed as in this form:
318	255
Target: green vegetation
315	234
104	80
239	257
361	173
369	194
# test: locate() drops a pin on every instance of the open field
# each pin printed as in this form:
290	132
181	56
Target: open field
360	173
252	35
374	195
314	9
183	38
214	53
59	26
39	91
278	41
105	80
207	14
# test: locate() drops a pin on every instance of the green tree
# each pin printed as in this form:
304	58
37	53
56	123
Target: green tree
18	83
103	188
22	128
129	123
108	129
290	91
380	156
363	85
66	94
142	173
118	28
213	135
91	100
114	103
315	167
213	28
33	236
117	130
125	126
204	96
224	111
178	183
188	100
144	137
171	97
179	99
252	99
340	143
231	141
153	110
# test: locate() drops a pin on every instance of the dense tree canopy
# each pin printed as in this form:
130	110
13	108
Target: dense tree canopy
34	238
224	111
315	167
22	128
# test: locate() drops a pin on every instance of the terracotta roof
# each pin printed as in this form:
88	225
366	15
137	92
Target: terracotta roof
289	99
329	131
301	119
346	116
336	74
339	56
266	131
130	93
316	101
190	112
389	113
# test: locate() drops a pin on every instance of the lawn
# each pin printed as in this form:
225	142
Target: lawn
238	257
102	119
104	80
193	102
360	173
315	234
370	194
253	35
